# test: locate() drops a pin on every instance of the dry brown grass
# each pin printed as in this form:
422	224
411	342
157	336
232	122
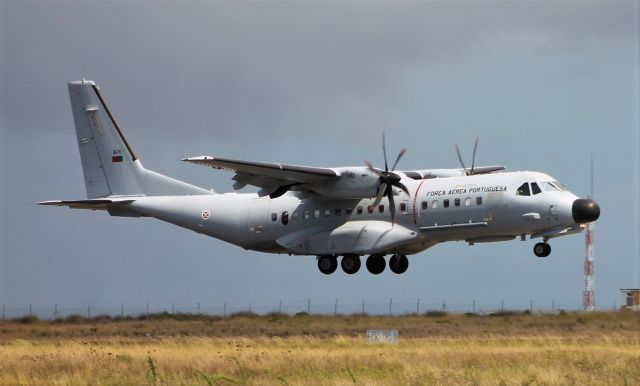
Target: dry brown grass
451	350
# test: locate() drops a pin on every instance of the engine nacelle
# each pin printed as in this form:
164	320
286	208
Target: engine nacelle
355	182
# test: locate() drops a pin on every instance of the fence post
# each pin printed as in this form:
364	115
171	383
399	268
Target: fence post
553	305
173	308
280	307
418	307
335	308
30	313
198	308
224	312
444	306
2	311
390	303
502	305
249	307
309	306
147	309
531	306
122	310
362	306
473	307
89	311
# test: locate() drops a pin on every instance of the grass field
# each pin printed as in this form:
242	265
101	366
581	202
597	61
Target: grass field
434	349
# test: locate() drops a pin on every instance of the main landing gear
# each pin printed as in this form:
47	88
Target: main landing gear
350	264
542	249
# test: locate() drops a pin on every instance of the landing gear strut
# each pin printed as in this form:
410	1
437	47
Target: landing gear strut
350	264
376	264
398	263
542	249
327	264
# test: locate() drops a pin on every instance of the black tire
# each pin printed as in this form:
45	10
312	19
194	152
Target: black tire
327	264
540	249
350	264
376	264
398	264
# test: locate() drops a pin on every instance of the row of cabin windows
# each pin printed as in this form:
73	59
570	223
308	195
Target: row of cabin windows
284	217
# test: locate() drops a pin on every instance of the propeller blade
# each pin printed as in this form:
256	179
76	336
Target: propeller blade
473	160
384	151
401	186
460	159
381	192
374	170
398	159
392	206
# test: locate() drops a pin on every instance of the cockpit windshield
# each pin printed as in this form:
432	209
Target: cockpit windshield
552	186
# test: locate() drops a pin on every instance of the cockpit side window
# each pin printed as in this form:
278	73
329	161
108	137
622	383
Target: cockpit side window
523	190
535	189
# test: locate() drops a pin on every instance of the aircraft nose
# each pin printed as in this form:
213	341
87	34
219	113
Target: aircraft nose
585	210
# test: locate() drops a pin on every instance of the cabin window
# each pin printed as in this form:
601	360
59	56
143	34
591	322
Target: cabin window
478	200
523	190
316	213
349	211
274	217
370	209
284	218
456	202
425	205
467	201
306	214
338	212
535	189
327	212
434	204
359	210
403	207
446	203
295	215
381	208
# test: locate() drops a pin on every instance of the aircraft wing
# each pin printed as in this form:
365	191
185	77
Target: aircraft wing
441	173
269	176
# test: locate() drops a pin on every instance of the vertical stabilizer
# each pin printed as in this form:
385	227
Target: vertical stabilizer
110	166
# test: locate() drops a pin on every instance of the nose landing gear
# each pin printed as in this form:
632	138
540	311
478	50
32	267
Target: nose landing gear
542	249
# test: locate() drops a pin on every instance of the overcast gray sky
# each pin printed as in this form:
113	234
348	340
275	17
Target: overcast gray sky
543	84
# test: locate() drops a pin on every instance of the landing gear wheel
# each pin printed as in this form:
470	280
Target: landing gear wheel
542	249
350	264
376	264
327	264
398	263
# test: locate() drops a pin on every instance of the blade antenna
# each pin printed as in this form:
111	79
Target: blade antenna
460	159
473	160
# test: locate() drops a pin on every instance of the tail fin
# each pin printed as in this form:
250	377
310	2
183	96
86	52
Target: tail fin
110	166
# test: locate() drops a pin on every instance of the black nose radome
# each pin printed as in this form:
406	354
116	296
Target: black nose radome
585	210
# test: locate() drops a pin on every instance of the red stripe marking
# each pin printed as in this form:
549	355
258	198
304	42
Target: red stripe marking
415	199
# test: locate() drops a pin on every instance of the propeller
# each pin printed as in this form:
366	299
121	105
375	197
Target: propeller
388	180
473	160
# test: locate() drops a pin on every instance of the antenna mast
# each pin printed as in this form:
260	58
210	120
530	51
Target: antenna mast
588	295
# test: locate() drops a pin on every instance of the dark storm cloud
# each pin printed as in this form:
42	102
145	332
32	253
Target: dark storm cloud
281	67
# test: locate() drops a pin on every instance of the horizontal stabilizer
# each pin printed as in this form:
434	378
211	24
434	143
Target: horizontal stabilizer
88	204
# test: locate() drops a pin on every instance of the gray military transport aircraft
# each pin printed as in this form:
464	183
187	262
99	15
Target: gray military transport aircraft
342	212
